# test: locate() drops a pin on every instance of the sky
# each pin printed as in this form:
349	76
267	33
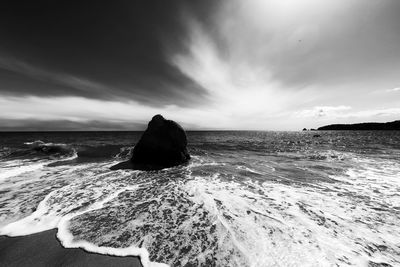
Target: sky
207	64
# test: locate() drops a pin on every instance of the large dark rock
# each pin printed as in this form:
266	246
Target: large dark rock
162	145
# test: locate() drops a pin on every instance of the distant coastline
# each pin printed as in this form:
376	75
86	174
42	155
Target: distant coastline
367	126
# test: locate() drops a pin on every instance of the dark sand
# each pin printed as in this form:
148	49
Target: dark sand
43	249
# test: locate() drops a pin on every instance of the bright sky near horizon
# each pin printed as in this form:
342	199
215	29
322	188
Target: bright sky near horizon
207	64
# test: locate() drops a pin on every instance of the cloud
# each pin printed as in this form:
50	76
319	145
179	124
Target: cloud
256	64
75	83
397	89
384	112
322	111
53	83
303	42
344	112
108	51
67	125
260	60
82	111
241	94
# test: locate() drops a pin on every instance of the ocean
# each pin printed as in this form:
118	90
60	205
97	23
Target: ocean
244	199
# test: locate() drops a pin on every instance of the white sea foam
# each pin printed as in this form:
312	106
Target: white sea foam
41	143
37	222
51	214
203	214
18	168
68	241
249	169
274	224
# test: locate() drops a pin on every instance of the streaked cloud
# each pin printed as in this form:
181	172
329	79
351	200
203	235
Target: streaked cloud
323	111
75	83
80	111
256	64
346	112
118	51
385	112
67	125
397	89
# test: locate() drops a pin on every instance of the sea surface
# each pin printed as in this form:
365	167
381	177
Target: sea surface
244	199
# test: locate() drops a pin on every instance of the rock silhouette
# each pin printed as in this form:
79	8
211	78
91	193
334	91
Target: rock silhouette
162	145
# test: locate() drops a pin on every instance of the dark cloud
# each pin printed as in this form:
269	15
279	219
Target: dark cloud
119	49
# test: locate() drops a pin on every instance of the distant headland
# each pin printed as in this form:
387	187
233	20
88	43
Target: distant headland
367	126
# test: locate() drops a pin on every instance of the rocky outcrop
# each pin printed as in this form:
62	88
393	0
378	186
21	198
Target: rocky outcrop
162	145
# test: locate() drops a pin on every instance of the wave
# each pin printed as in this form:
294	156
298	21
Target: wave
124	153
18	167
51	148
52	213
223	212
13	168
103	151
39	150
272	224
4	152
68	240
42	220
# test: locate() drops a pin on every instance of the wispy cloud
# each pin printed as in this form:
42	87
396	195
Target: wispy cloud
64	84
397	89
81	111
343	112
385	112
71	81
256	64
322	111
242	94
67	125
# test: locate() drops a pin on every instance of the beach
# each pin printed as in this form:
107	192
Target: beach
43	249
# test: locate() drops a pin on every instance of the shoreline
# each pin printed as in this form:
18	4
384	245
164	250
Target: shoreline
44	249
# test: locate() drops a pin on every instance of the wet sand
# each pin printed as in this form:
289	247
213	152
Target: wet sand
43	249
